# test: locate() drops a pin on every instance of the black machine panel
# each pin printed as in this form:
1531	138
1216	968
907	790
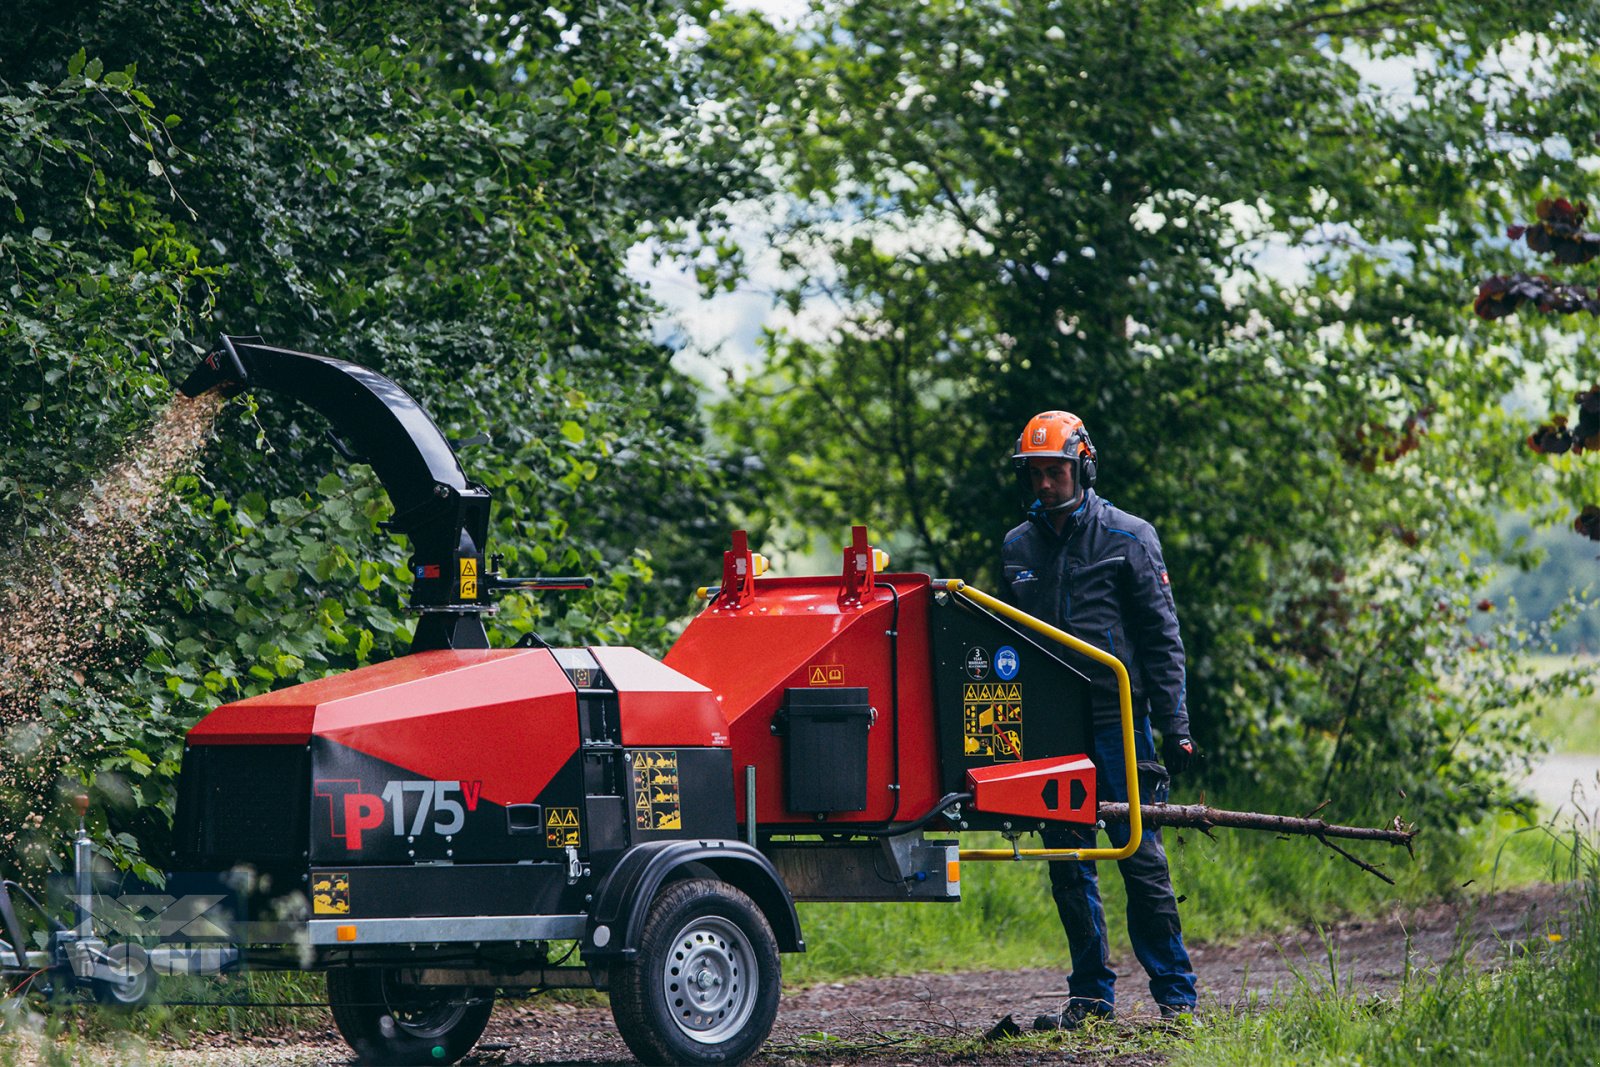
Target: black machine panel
365	810
1004	695
680	792
428	890
242	802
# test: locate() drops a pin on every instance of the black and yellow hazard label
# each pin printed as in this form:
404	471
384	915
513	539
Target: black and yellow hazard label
562	829
657	802
991	720
469	578
330	894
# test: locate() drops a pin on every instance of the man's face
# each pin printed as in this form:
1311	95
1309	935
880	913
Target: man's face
1052	480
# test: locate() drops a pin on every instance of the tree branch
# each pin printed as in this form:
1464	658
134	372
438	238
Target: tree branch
1395	7
1203	818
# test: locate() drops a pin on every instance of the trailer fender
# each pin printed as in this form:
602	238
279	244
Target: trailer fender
623	898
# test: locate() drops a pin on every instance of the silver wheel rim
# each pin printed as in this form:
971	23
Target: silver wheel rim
709	980
428	1013
131	978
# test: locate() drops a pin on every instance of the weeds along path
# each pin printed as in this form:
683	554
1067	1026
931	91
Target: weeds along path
940	1018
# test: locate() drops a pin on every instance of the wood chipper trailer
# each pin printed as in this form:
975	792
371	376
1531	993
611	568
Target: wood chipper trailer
428	830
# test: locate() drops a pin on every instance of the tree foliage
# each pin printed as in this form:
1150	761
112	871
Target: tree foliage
1203	229
1559	233
443	192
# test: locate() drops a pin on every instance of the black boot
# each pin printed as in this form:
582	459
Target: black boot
1074	1016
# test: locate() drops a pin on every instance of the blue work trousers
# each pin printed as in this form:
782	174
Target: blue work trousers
1152	910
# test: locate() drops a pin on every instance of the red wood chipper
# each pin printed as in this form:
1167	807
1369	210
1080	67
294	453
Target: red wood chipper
429	830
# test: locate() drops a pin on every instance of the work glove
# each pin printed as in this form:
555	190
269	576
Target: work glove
1177	752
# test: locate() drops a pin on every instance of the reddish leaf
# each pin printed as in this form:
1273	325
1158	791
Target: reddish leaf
1588	522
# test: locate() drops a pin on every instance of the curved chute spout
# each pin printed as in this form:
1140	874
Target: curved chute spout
445	515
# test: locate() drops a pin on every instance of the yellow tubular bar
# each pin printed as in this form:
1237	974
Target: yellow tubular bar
1130	759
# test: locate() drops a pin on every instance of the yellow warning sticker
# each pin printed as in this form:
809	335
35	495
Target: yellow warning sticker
469	577
330	894
562	829
991	720
469	567
825	674
657	803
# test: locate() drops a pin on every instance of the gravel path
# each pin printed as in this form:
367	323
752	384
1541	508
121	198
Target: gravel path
1568	783
886	1020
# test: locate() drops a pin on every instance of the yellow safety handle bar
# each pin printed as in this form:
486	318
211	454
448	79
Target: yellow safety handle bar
1130	759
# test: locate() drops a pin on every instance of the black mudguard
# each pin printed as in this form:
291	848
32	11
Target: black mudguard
623	897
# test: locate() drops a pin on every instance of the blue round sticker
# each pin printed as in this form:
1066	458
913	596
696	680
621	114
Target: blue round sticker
1006	663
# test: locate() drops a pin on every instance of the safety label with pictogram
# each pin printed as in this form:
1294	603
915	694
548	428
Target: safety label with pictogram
330	893
825	674
657	803
991	720
562	828
469	578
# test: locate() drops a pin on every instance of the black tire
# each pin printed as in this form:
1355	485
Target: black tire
722	1012
387	1021
125	981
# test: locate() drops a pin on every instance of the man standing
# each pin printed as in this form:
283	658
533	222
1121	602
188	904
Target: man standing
1096	572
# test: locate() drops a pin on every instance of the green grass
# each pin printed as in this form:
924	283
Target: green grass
79	1030
1239	884
1568	723
1536	1007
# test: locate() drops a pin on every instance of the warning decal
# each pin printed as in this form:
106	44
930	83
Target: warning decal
825	674
656	801
562	829
991	720
469	578
330	894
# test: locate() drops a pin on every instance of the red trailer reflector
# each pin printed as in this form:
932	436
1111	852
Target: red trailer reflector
1059	789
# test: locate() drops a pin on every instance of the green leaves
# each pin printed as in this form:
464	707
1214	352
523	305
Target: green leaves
409	206
1201	229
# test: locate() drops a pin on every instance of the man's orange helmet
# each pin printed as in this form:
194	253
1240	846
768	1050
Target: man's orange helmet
1058	435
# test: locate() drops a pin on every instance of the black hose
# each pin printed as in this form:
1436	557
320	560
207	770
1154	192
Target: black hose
915	824
894	699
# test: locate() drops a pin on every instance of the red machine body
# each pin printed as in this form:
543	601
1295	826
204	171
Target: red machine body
504	718
1059	789
460	755
798	633
772	648
459	809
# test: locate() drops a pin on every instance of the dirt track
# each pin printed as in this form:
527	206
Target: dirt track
890	1020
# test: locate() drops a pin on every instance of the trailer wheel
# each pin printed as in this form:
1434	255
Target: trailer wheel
124	980
389	1021
704	987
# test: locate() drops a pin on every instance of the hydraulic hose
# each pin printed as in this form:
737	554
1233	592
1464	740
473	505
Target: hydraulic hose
915	824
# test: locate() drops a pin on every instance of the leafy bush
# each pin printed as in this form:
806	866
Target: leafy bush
445	197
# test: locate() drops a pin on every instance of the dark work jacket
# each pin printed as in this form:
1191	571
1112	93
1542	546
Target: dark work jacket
1102	579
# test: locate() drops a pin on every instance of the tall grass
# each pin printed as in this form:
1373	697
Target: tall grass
1236	884
1567	723
1537	1006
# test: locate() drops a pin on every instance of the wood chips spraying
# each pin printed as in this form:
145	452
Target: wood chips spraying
60	594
